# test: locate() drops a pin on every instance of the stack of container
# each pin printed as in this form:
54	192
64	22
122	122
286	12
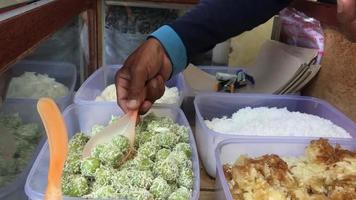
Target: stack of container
79	118
215	149
26	109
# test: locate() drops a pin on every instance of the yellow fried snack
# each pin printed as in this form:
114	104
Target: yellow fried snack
324	173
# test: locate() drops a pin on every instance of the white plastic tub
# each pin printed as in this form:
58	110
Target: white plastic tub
64	73
14	190
217	105
80	118
228	151
105	76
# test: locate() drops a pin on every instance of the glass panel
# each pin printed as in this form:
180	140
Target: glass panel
8	3
50	70
126	27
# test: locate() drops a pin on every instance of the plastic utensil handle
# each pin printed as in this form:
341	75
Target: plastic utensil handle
58	145
133	119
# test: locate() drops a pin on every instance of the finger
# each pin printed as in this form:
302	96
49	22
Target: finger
346	10
121	93
138	78
145	107
155	89
122	85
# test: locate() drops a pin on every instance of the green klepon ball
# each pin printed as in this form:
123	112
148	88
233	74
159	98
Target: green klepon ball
75	185
77	143
148	150
142	163
122	143
160	189
162	154
185	148
139	194
121	180
182	160
103	175
168	169
141	179
89	166
108	154
166	140
181	193
104	192
72	164
186	178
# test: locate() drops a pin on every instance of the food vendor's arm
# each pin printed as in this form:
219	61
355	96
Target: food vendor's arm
141	80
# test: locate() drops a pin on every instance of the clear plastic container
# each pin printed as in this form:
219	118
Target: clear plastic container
80	118
105	76
64	73
229	150
217	105
28	114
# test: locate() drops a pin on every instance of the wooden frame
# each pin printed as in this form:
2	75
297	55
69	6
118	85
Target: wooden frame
324	12
25	27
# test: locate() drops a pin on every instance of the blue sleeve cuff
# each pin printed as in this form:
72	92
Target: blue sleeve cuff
174	47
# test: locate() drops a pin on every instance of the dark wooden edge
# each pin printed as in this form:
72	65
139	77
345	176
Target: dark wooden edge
23	31
6	9
93	18
166	1
324	12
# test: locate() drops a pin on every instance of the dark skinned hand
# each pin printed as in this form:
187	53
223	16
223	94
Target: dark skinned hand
141	80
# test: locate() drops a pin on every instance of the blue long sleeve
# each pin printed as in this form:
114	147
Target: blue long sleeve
214	21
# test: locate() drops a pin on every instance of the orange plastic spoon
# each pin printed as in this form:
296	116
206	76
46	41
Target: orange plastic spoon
58	145
123	126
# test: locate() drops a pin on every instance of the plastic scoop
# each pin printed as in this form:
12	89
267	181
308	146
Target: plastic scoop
58	145
123	126
7	143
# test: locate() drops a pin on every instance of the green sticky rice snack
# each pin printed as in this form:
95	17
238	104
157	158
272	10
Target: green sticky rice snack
186	178
159	168
139	194
185	148
75	185
160	188
162	154
72	164
103	175
103	192
180	194
148	150
168	169
166	140
89	166
122	143
77	143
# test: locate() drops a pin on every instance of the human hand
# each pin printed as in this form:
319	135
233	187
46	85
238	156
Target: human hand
346	13
142	78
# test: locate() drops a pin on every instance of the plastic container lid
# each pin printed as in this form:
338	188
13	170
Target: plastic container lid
27	112
64	73
210	105
229	150
105	76
80	118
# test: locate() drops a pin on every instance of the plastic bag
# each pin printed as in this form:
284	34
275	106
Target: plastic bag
297	29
